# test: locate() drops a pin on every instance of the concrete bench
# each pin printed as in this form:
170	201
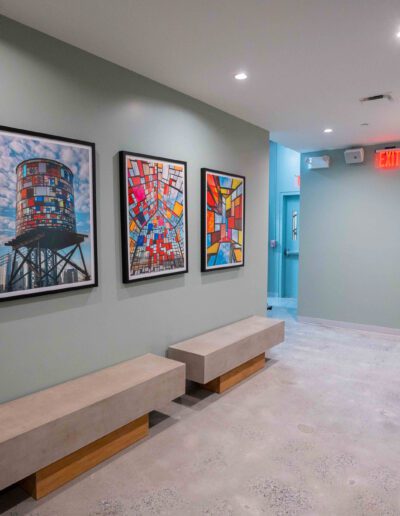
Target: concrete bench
221	358
52	436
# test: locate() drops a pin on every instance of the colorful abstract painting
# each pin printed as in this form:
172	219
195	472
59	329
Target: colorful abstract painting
47	214
222	220
154	226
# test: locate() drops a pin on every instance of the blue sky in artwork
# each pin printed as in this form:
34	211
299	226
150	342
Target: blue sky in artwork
15	148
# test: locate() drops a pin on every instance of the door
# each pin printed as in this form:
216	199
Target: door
290	247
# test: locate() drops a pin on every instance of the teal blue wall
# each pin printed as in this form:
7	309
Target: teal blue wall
349	245
284	166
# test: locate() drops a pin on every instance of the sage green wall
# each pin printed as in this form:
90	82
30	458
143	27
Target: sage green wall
51	87
349	242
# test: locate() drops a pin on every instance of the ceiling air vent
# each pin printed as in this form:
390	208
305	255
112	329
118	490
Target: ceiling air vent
381	96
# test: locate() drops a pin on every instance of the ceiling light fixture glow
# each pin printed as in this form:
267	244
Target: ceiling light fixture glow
241	76
328	130
398	34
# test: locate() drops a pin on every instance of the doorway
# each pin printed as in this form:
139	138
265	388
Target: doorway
283	228
290	246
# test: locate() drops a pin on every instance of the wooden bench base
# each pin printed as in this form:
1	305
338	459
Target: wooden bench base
62	471
236	375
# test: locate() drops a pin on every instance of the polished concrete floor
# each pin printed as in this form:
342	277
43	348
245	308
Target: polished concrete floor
317	432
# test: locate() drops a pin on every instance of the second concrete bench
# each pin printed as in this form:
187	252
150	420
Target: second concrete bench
223	357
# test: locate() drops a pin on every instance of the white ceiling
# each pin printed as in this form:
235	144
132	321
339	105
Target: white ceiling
308	61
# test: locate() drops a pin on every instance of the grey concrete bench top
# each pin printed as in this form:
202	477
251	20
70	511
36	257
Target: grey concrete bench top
40	428
212	354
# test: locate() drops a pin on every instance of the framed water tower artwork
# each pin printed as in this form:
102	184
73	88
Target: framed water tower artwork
222	220
47	214
153	216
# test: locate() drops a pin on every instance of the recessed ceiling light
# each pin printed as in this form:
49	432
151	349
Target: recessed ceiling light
328	130
398	34
241	76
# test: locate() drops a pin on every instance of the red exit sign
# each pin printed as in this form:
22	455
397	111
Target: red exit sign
387	158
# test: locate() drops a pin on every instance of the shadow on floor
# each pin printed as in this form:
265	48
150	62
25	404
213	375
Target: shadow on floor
10	497
196	397
158	422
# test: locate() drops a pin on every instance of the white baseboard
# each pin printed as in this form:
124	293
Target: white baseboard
353	326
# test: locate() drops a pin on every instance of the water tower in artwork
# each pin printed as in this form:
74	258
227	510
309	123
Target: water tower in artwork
45	226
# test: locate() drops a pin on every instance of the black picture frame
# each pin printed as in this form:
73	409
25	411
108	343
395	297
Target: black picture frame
203	219
126	276
57	288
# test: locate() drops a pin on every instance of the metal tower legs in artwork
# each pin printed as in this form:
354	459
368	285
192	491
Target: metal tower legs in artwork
34	266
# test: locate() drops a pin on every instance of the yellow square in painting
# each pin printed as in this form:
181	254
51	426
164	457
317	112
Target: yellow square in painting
213	248
238	255
132	225
240	237
178	208
236	183
228	202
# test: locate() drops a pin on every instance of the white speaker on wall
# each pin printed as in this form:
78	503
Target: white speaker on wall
352	156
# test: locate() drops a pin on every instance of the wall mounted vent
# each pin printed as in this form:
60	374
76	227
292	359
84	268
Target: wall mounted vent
381	96
315	162
352	156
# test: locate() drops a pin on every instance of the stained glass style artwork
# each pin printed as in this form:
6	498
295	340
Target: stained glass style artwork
47	214
222	220
154	225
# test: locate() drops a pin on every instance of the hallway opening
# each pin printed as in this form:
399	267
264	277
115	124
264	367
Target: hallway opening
284	227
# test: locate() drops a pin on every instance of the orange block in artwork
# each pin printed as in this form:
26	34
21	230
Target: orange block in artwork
178	208
211	180
210	221
132	225
238	255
